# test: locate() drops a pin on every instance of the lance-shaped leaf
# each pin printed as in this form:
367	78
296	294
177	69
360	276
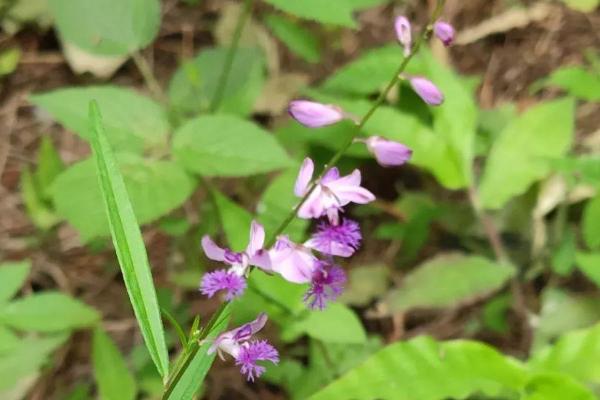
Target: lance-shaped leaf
129	245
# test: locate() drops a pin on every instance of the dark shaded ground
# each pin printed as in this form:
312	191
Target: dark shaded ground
508	61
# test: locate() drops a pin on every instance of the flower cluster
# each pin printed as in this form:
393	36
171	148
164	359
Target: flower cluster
323	199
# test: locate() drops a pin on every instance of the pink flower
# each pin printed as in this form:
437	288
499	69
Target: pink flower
404	34
294	262
315	115
387	152
445	32
233	280
246	352
331	193
427	91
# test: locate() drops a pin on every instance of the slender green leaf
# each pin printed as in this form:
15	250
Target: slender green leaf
48	312
129	245
448	280
591	223
12	277
115	381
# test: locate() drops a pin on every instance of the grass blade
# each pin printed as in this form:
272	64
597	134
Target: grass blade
127	239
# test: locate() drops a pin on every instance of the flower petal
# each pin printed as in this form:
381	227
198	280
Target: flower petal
403	33
304	176
313	114
387	152
427	91
211	249
313	206
257	238
294	263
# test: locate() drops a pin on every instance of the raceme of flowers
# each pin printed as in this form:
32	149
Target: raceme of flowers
324	199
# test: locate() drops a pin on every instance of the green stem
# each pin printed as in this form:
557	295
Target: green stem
151	82
382	96
237	34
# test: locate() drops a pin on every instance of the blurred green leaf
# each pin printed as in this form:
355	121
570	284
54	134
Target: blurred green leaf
582	5
589	264
547	386
575	354
12	276
591	223
235	221
405	370
154	187
8	340
576	81
527	145
447	280
49	166
37	209
335	12
224	145
48	312
336	324
26	359
129	245
133	122
194	84
299	40
277	202
115	381
9	59
563	258
107	27
494	315
365	284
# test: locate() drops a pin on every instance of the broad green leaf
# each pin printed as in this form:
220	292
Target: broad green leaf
277	202
26	358
193	86
129	245
562	312
336	324
48	312
8	340
107	27
115	381
224	145
235	221
365	284
575	354
155	188
576	81
589	264
591	223
406	370
133	122
335	12
12	277
193	376
548	386
298	39
448	280
582	5
527	145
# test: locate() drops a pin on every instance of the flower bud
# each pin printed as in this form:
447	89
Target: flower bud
445	32
387	152
403	32
427	91
313	114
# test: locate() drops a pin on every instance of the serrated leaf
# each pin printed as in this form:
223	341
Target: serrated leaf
48	312
107	27
224	145
194	84
527	145
155	188
115	381
12	276
448	280
129	245
590	223
133	122
298	39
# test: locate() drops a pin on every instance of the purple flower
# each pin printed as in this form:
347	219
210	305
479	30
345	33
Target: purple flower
294	262
445	32
331	193
427	91
315	115
326	285
222	279
340	240
246	352
404	34
387	152
233	280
